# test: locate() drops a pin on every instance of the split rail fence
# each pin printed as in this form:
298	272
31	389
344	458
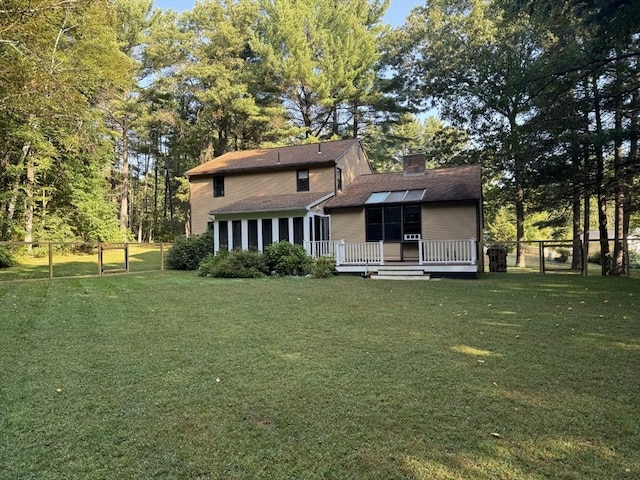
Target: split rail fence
69	259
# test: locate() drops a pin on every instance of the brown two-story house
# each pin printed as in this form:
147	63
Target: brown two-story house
325	197
253	198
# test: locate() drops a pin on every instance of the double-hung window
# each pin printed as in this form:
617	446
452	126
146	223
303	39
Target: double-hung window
218	186
302	177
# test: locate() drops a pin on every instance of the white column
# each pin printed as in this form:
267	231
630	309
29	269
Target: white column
244	229
229	235
216	237
291	230
306	229
260	240
275	235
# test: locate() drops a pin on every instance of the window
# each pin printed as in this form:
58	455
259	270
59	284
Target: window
218	186
223	235
390	223
339	178
399	196
267	232
252	226
411	219
393	223
374	224
321	227
283	229
298	230
303	180
236	227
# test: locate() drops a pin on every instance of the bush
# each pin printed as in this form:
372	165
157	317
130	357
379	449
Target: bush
283	258
324	267
595	258
634	259
235	264
6	258
187	253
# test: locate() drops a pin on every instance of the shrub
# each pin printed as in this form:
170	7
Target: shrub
324	267
235	264
596	258
634	259
187	253
6	258
283	258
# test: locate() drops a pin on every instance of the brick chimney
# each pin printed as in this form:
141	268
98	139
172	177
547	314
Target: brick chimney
414	165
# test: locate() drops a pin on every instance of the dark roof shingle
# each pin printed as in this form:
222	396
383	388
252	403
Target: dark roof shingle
274	203
442	184
269	158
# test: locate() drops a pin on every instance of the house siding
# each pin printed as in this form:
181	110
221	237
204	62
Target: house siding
449	221
348	225
353	164
241	186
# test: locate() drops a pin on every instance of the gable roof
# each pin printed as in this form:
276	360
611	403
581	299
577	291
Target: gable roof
441	185
274	203
277	157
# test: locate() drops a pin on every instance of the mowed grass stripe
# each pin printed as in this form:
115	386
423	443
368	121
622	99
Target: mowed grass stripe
175	376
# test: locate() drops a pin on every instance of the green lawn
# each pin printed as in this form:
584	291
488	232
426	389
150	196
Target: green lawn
170	376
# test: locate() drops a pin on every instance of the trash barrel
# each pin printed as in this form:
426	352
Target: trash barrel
497	259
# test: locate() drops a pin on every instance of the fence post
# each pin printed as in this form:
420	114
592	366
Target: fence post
50	260
100	258
541	254
161	256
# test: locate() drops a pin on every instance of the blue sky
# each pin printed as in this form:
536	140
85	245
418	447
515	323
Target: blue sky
396	13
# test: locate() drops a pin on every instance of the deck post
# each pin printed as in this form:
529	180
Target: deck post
420	252
474	252
340	252
381	252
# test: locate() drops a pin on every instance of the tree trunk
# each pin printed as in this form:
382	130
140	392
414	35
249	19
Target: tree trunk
518	169
576	256
618	264
124	198
29	201
601	193
15	190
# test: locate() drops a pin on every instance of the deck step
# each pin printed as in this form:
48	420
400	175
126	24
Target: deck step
400	274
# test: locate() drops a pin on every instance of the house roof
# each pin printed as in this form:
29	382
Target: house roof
273	203
277	157
441	185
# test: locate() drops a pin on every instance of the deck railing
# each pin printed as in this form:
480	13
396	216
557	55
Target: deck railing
372	253
448	252
367	253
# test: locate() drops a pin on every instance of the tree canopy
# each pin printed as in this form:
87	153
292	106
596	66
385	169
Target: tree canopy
105	104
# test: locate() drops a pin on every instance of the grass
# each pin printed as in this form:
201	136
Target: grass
171	376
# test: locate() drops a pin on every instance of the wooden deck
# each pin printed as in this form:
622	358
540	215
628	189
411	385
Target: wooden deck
437	258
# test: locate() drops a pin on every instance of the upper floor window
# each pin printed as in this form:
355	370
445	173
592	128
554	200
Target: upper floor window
339	178
302	177
218	186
